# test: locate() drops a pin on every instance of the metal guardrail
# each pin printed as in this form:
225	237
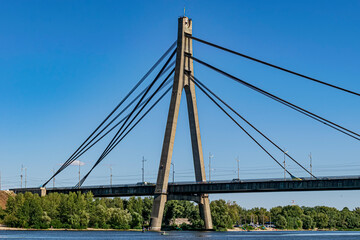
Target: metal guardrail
213	181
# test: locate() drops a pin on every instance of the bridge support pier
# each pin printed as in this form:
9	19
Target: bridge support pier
157	212
181	81
205	212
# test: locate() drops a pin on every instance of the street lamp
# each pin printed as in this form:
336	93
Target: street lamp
173	177
111	175
285	152
310	156
78	163
238	167
210	157
143	169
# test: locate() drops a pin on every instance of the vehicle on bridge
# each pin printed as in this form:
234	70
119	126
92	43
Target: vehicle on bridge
144	183
236	180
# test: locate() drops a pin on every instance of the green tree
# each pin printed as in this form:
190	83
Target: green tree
292	211
281	222
298	223
173	209
136	221
147	207
120	219
2	214
50	204
11	220
308	222
99	216
322	220
72	211
220	215
353	221
275	213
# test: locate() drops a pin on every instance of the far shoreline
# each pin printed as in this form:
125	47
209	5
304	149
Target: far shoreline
4	228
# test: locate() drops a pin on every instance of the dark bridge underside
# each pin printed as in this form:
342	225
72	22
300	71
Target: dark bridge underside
324	184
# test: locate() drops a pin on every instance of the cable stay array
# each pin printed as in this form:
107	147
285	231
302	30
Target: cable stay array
284	102
124	135
142	107
207	92
271	65
237	123
217	100
120	135
96	136
117	124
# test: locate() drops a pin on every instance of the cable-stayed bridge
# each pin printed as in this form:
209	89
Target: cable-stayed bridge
176	75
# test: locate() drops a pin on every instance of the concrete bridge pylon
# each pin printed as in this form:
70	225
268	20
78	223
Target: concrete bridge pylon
181	82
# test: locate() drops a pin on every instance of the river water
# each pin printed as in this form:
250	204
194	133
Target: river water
109	235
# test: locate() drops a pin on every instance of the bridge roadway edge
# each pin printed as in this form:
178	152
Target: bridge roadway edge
191	189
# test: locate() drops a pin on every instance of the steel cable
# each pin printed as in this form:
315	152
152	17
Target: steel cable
112	112
271	65
286	103
155	103
247	133
195	80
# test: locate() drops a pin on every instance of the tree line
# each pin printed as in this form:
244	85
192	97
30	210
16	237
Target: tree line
81	211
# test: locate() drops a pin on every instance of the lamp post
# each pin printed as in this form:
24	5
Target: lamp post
285	152
143	169
21	176
111	175
238	167
173	172
310	156
210	158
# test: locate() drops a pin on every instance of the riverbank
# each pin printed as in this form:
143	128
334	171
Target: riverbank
3	227
235	229
238	229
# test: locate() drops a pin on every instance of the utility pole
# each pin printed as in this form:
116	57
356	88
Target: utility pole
173	173
0	180
238	167
143	169
310	166
210	157
111	175
21	176
285	164
25	177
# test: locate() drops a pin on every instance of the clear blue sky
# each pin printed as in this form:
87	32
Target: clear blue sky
64	65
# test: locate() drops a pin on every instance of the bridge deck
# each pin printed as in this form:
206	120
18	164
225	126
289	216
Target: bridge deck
193	188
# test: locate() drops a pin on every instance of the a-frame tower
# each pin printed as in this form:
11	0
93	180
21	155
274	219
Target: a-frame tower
184	64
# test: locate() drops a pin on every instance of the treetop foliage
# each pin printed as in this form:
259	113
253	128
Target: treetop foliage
81	211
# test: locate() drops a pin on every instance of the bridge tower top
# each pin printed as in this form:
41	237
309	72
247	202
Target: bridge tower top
186	24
